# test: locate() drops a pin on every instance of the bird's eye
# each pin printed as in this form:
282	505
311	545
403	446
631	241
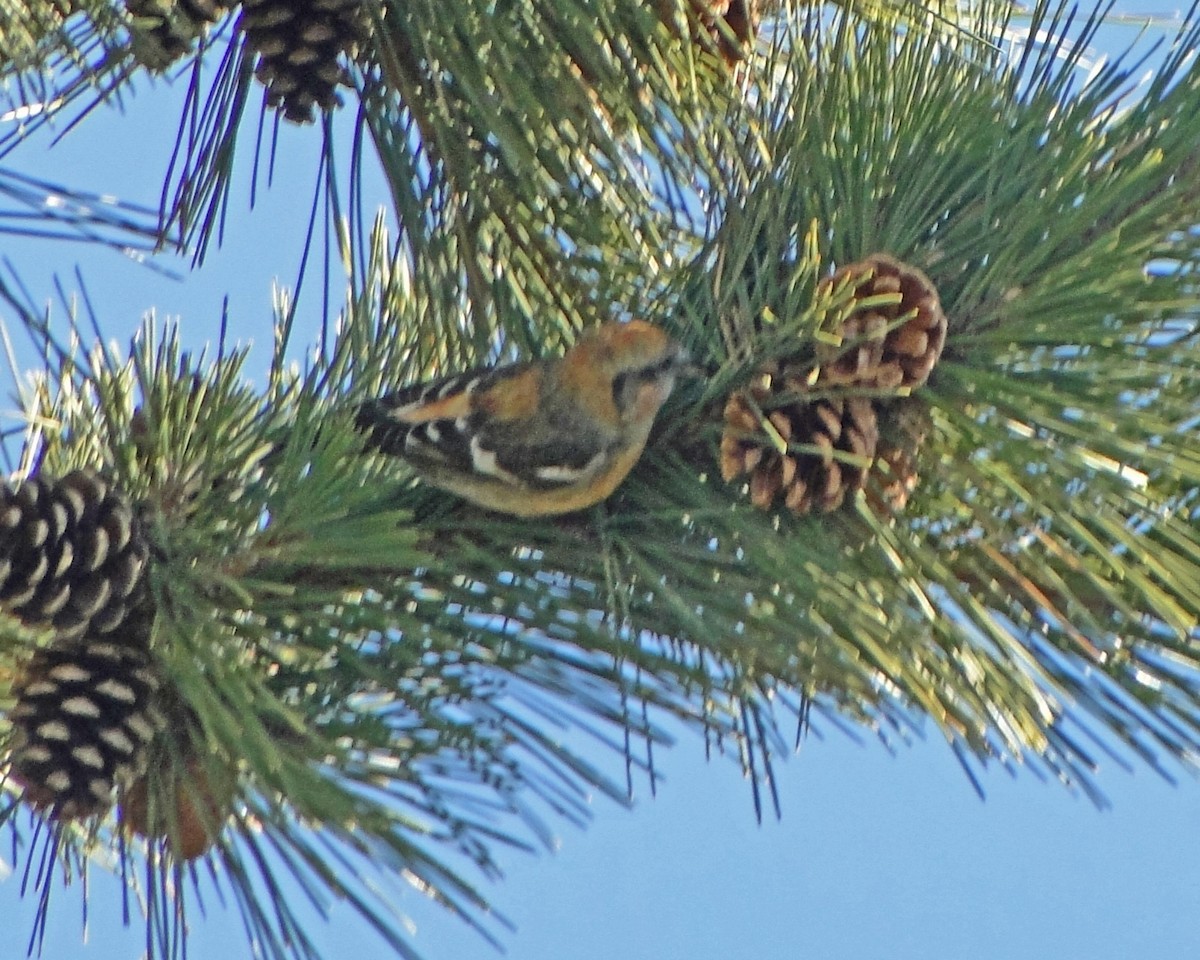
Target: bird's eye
658	369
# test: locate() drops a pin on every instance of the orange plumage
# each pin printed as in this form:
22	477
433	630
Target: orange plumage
536	438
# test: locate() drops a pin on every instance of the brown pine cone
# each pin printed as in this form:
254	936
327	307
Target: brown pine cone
738	17
188	808
884	345
299	45
903	429
765	447
165	30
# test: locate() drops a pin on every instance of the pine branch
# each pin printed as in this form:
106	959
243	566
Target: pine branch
1006	185
388	676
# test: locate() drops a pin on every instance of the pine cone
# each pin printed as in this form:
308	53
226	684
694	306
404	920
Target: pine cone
298	43
805	481
879	349
184	797
740	18
894	475
165	30
84	715
72	555
183	805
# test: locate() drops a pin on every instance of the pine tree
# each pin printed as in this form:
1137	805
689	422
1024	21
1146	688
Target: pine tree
940	472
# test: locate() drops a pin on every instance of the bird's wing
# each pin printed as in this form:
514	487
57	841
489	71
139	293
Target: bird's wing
403	422
556	455
484	422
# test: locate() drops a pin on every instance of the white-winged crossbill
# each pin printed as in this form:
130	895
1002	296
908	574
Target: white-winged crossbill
536	438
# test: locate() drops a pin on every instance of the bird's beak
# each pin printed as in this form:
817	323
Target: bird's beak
683	366
689	369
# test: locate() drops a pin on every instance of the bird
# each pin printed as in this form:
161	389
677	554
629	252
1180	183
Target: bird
540	437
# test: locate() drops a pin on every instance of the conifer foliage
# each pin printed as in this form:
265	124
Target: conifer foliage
940	472
799	432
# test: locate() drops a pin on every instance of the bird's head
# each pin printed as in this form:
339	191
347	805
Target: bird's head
642	362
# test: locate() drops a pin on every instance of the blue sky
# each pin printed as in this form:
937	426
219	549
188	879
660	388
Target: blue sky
875	857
